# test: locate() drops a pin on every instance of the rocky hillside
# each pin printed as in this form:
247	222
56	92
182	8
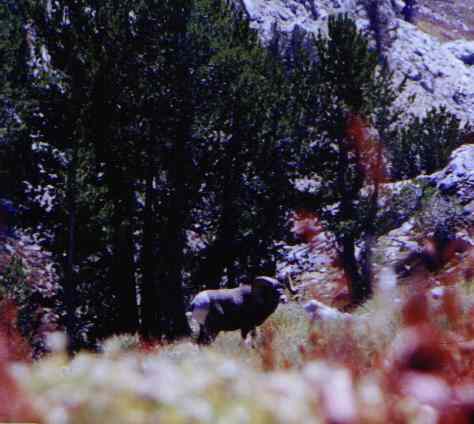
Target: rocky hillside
447	20
435	54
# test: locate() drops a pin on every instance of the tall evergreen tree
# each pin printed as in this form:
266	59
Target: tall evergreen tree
247	183
15	148
350	95
73	47
154	119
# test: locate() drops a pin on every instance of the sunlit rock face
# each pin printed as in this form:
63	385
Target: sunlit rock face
427	201
287	16
437	73
458	177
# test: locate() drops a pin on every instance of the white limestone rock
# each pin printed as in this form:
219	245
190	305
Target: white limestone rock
458	177
436	73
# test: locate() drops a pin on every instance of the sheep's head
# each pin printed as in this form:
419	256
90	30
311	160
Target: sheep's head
268	287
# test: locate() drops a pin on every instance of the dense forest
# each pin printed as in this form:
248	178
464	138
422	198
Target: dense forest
154	148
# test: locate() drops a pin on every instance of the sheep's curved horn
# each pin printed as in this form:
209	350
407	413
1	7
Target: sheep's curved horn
266	279
289	284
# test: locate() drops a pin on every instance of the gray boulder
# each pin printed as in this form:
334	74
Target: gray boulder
457	179
437	74
287	16
445	197
462	50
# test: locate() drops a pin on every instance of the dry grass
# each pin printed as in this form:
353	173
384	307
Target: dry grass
405	356
391	362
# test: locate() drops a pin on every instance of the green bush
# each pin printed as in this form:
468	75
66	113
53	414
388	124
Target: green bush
425	144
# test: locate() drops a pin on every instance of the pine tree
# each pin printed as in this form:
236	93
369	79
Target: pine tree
351	97
246	130
72	50
15	149
424	145
155	118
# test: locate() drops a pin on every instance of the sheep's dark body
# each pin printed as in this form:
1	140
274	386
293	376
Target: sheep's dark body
243	308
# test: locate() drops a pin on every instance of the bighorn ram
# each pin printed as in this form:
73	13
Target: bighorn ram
243	308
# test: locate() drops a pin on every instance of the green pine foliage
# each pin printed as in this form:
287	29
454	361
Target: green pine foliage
155	119
425	144
147	123
351	92
245	125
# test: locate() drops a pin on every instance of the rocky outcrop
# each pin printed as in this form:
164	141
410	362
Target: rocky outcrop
437	73
409	212
457	179
462	50
288	16
445	198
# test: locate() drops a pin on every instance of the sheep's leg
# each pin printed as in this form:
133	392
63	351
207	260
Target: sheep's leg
249	336
205	336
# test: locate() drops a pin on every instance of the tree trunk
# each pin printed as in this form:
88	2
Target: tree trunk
124	276
148	292
69	285
172	322
359	284
122	271
410	10
75	135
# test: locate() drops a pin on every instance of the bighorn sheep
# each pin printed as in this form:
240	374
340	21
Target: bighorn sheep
319	311
243	308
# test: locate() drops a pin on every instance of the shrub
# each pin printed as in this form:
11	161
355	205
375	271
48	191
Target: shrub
425	144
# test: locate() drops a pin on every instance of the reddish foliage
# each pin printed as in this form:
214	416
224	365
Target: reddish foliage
451	306
313	349
432	360
343	350
342	299
267	351
452	248
367	148
15	347
356	128
435	257
149	346
14	405
423	351
416	311
306	226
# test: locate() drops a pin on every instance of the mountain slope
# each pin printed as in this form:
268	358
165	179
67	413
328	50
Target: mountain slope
432	55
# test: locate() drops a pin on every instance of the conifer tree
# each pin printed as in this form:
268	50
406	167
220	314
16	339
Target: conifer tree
15	149
155	118
246	131
424	145
351	97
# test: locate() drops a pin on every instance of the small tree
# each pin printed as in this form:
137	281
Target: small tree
351	97
425	144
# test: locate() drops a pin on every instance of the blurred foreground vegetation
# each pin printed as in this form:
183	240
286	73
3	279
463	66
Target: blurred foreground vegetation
390	362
